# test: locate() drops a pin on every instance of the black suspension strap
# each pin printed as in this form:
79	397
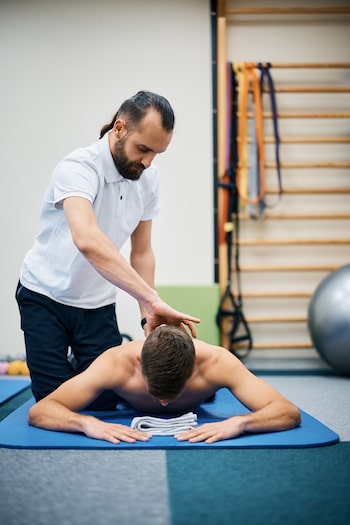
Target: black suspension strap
230	312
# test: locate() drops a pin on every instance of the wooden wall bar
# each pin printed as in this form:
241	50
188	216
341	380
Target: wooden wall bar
311	257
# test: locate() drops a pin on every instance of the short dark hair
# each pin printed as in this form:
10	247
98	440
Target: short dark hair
135	108
167	361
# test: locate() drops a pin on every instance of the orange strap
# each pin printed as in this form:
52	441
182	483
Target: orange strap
247	77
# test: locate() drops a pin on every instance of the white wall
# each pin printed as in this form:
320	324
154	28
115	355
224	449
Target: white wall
66	66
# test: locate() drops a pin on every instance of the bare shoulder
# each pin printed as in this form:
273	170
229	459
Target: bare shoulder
207	351
116	364
217	363
124	352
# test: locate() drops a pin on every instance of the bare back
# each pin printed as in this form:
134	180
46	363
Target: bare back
199	387
119	369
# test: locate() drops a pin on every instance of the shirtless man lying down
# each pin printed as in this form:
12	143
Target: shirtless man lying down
166	373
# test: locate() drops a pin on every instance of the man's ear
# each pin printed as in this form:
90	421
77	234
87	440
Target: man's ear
119	127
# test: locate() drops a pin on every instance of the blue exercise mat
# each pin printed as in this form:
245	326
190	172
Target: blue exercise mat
16	433
10	387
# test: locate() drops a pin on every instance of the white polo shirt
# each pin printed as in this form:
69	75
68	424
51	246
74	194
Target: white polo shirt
54	266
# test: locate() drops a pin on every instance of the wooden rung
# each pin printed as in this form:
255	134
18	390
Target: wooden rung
276	294
309	65
288	165
283	345
299	216
301	165
287	11
309	191
287	268
303	114
273	319
286	242
306	140
309	89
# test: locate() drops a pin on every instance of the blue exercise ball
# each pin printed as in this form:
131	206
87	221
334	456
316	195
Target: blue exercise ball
329	319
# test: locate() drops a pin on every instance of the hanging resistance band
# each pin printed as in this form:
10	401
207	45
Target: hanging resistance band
265	75
230	312
224	178
248	80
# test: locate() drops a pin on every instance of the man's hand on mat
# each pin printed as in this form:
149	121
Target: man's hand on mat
212	432
115	433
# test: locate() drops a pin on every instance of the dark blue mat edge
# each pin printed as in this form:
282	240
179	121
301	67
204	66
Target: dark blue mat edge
9	388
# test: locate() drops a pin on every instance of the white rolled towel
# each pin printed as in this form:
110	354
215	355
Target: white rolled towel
157	426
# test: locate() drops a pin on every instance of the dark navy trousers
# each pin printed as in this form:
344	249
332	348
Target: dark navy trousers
61	341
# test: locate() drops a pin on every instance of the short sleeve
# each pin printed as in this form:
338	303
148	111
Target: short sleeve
74	178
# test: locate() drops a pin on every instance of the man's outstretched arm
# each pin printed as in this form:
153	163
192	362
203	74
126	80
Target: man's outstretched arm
270	411
52	415
101	253
59	410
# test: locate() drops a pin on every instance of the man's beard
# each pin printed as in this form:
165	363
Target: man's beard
128	170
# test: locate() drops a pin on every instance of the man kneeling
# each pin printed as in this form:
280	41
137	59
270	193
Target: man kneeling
166	373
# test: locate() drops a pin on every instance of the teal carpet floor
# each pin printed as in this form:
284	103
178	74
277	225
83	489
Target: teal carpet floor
260	487
176	487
